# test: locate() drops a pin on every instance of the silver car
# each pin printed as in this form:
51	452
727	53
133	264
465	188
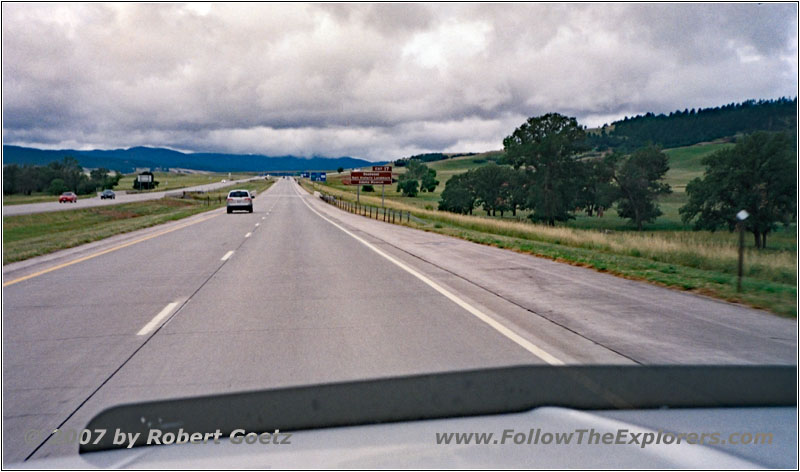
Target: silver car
240	200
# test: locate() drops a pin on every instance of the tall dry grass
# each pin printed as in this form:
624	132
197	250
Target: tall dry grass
692	249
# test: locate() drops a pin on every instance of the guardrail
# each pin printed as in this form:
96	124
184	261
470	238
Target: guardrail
386	214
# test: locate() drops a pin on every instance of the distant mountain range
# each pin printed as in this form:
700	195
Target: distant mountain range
128	160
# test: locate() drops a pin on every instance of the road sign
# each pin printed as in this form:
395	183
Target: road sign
319	176
381	168
370	178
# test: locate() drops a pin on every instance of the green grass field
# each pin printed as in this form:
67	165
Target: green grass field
685	165
33	198
667	252
26	236
430	200
166	181
173	180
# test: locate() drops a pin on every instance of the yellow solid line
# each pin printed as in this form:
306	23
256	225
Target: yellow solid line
106	251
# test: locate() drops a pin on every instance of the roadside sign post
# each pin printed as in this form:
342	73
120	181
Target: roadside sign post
741	216
383	186
378	175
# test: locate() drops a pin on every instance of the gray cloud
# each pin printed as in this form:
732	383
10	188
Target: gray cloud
378	81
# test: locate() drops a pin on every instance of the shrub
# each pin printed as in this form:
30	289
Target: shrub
57	187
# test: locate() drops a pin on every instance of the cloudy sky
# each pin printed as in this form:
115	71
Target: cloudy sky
372	81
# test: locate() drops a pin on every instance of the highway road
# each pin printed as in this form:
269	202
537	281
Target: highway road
299	293
86	202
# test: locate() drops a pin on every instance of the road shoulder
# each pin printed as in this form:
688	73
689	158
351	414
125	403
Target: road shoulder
640	321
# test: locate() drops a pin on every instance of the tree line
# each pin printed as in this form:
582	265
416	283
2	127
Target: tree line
542	173
417	177
427	157
55	178
683	128
430	157
757	175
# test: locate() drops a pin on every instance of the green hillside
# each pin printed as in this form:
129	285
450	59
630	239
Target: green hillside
685	162
685	165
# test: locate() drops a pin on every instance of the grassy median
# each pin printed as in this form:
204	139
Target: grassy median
26	236
698	261
34	198
166	181
174	180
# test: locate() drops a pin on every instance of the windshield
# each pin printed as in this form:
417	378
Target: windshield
311	195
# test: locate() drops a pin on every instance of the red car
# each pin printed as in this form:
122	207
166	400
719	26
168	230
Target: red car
68	197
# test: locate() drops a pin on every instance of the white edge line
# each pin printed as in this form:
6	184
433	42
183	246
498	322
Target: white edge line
227	256
157	319
524	343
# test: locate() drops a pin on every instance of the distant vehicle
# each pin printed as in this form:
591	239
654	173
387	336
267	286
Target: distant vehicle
224	181
68	197
108	194
240	200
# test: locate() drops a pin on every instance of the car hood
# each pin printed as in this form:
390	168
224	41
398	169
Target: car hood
414	444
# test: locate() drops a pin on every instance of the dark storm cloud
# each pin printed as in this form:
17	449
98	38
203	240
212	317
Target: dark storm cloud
377	81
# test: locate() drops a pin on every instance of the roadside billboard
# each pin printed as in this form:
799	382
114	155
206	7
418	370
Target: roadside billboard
370	178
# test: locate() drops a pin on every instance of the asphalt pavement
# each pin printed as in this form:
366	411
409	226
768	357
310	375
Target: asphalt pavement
300	293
